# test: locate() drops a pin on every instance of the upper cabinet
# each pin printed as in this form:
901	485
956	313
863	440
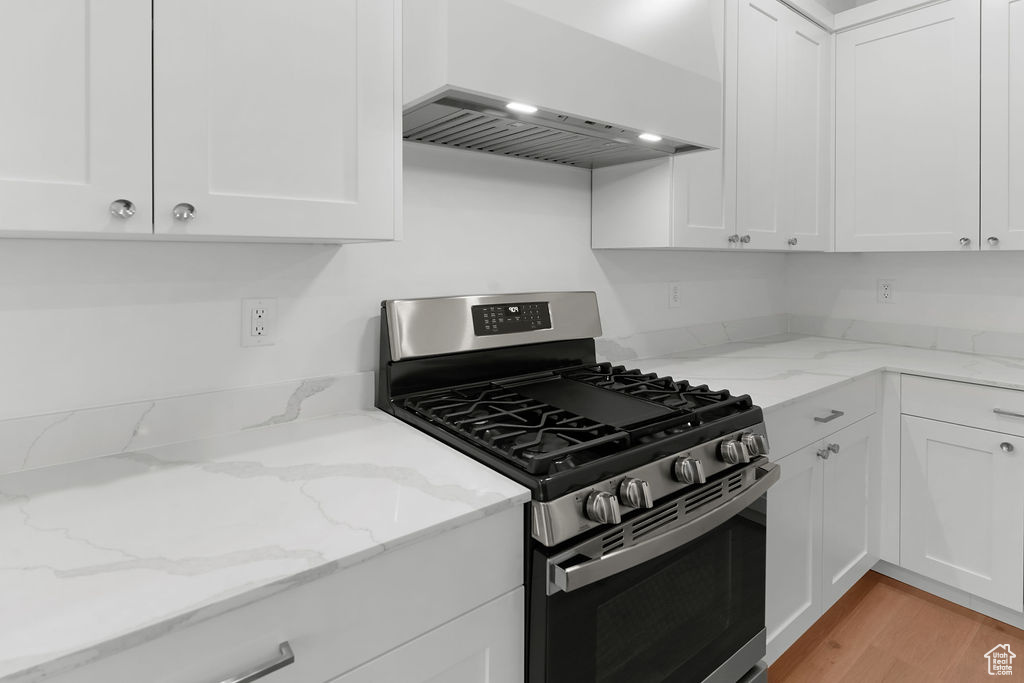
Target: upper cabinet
269	120
75	117
275	119
783	123
908	131
770	186
1002	130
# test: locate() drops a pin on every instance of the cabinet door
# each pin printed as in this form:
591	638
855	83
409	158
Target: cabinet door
961	512
852	507
793	571
1002	131
908	132
483	645
783	120
74	115
276	119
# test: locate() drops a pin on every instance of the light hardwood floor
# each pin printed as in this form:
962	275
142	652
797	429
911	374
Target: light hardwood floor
883	630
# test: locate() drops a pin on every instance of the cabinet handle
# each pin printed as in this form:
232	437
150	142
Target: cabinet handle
733	239
745	239
823	453
791	241
184	212
1006	447
965	241
285	658
1008	413
832	416
993	241
122	208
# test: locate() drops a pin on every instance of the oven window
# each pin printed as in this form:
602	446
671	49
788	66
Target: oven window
675	618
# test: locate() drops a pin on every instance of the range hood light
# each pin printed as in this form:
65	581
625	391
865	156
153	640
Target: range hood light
649	137
521	108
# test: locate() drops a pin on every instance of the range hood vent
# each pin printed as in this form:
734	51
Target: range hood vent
468	121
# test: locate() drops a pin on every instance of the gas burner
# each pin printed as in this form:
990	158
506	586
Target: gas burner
704	402
524	431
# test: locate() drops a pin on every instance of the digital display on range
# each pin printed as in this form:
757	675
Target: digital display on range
508	318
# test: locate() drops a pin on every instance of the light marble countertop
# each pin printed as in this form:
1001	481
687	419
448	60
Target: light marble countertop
779	370
103	554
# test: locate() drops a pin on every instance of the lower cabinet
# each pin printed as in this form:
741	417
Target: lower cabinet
793	571
962	508
823	529
485	645
445	608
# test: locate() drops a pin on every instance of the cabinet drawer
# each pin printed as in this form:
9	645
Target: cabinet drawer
973	405
793	426
337	622
485	645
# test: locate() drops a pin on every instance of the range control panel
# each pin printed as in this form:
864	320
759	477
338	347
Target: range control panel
509	318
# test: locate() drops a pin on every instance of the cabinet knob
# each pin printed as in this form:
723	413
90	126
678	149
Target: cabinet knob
791	241
733	239
1006	447
833	448
823	453
122	208
184	212
993	241
745	239
965	241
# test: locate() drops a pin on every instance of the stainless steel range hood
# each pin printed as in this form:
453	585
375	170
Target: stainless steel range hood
594	83
485	124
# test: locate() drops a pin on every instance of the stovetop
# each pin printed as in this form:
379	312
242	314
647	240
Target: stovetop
513	381
563	421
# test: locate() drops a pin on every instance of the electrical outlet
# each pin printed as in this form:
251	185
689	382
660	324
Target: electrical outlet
886	291
675	294
259	322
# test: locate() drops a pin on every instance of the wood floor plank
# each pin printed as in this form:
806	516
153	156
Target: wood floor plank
884	630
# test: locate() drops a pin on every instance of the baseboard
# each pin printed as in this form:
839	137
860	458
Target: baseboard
955	595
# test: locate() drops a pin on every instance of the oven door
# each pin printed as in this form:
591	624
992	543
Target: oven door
681	600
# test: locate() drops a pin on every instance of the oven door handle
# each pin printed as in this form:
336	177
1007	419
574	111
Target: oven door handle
585	573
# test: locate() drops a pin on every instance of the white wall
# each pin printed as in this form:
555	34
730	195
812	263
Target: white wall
92	323
972	291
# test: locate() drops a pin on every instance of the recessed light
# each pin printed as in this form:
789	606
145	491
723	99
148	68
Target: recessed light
521	108
649	137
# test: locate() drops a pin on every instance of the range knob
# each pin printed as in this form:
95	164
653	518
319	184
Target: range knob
757	444
602	507
635	493
689	471
734	452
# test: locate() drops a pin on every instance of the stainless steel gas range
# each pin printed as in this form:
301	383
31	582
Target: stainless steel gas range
646	545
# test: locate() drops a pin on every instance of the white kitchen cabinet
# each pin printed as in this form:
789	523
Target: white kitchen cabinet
908	131
276	119
1002	130
770	183
962	513
793	559
851	529
74	116
823	529
784	123
485	645
223	119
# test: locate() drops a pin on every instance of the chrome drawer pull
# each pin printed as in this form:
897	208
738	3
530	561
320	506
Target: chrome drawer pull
284	659
1009	413
835	414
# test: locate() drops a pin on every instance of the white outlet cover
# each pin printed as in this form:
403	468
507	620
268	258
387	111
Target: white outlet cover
675	294
247	327
885	284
